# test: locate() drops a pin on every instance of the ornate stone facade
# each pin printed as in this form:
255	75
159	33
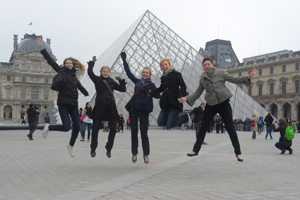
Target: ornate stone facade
26	79
276	85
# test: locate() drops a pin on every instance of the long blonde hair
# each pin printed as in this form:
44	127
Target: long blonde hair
76	64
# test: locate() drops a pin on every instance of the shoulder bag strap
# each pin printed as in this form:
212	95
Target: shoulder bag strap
108	87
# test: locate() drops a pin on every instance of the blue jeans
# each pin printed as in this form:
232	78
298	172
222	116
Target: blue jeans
32	127
143	116
197	127
169	117
269	131
283	145
66	111
83	127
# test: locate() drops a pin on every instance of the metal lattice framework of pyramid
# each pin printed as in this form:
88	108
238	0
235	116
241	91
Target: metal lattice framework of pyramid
146	42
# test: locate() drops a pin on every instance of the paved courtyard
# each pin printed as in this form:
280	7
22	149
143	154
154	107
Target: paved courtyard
43	169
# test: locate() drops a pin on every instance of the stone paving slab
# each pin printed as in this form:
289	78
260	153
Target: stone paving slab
43	169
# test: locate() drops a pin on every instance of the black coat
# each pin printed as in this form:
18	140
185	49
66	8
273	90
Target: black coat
66	82
173	87
32	113
105	106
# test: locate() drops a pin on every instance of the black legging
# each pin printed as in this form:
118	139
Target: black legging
111	136
225	111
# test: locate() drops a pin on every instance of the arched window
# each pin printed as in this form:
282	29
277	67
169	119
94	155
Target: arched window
7	114
34	93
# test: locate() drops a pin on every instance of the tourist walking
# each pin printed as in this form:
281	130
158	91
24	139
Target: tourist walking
32	113
254	127
217	98
269	121
66	83
86	122
139	110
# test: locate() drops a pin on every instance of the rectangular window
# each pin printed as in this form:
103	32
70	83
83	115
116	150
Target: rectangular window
260	90
283	68
240	73
283	87
35	67
297	66
297	82
23	93
8	93
271	70
260	72
46	94
271	88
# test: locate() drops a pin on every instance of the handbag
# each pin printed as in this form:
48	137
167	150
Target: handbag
128	105
81	118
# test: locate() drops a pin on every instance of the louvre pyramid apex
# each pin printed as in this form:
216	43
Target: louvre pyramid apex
146	42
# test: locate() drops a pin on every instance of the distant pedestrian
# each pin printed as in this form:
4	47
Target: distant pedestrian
87	121
198	117
269	120
32	114
47	118
260	124
23	121
121	122
254	127
128	123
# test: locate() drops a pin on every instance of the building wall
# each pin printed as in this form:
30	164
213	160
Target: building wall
26	71
280	69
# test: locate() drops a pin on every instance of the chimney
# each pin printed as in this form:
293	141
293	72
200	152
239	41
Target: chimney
15	42
48	41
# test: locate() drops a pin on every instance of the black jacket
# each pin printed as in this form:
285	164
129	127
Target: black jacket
66	82
32	113
105	107
198	112
269	120
173	87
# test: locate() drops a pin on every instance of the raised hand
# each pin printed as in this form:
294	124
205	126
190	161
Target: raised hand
94	58
118	78
123	56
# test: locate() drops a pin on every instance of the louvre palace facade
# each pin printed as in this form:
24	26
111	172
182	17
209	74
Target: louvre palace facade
26	79
276	85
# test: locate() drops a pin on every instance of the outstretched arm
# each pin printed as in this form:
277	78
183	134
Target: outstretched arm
127	70
91	72
48	58
82	89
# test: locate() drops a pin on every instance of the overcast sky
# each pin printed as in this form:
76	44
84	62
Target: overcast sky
83	28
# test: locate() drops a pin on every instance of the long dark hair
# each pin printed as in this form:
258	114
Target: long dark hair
88	111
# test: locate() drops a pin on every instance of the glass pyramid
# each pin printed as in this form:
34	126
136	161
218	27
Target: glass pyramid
146	42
